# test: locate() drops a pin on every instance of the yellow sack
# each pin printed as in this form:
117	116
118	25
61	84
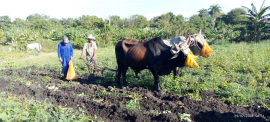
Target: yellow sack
71	75
191	60
206	50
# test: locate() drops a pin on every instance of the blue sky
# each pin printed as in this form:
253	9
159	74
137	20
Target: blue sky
123	8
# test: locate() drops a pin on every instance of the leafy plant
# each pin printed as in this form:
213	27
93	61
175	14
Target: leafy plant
257	19
166	111
135	96
13	108
195	95
184	116
156	112
133	104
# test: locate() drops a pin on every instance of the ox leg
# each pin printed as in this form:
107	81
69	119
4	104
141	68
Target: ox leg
118	75
178	70
156	85
175	72
124	71
136	73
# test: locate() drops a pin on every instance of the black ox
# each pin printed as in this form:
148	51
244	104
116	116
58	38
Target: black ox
153	55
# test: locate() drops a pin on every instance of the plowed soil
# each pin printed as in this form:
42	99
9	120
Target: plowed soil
109	102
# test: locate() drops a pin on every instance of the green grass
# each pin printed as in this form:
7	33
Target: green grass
18	108
238	72
234	70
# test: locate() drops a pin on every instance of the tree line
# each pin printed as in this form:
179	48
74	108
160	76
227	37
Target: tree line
239	24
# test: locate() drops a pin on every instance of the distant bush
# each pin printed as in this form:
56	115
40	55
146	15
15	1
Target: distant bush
78	43
1	36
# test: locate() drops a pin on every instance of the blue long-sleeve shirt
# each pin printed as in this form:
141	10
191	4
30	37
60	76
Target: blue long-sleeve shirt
65	51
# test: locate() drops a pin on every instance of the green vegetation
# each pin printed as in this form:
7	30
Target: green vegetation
19	108
257	20
135	96
133	104
233	26
184	116
237	72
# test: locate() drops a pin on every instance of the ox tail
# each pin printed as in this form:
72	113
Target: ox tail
120	54
125	49
126	44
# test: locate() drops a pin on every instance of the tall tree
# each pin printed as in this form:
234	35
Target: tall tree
136	21
214	10
34	17
257	18
18	22
234	16
203	12
203	23
5	21
67	22
90	22
116	21
178	19
166	21
41	24
125	22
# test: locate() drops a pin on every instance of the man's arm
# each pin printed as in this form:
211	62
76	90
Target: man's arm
71	52
95	48
59	53
82	54
84	47
94	53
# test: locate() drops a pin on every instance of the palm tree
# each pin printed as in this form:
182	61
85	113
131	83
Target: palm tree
258	19
203	12
215	8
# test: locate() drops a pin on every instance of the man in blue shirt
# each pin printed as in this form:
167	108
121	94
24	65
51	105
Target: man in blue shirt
65	54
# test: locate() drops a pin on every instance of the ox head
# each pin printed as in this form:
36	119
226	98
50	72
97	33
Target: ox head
182	46
186	55
198	45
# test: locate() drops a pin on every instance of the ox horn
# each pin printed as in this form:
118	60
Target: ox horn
188	40
200	32
176	47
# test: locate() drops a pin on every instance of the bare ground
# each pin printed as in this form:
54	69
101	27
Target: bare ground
109	103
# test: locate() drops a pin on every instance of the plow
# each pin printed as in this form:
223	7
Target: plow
96	69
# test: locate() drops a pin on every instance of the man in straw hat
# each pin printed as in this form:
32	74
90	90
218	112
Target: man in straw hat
90	46
65	54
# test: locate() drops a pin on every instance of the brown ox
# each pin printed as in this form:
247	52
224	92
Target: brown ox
154	55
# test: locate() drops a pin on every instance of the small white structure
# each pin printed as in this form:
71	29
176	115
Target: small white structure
10	49
34	46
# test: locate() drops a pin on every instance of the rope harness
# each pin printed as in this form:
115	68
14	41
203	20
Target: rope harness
184	46
195	42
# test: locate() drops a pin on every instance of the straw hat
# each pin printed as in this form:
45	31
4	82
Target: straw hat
90	37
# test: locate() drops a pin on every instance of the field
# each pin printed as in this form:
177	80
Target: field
231	85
